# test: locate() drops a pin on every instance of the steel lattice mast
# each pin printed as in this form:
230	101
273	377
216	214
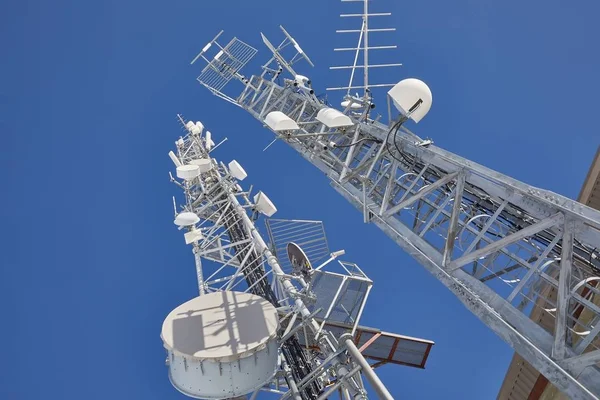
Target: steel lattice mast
217	225
501	246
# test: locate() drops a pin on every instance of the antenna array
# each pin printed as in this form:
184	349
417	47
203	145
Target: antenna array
307	348
498	244
363	47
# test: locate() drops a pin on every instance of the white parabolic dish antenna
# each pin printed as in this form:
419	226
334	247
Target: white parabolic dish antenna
221	345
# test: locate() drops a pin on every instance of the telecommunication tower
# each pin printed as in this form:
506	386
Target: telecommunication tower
265	318
500	245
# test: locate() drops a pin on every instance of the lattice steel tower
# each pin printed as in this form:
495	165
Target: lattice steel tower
265	319
500	245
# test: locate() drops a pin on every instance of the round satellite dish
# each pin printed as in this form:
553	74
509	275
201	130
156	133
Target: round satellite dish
412	98
221	345
300	263
188	172
186	219
203	163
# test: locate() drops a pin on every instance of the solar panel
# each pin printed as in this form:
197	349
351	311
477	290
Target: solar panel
384	347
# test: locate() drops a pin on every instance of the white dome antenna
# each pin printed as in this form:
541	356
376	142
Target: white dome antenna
412	97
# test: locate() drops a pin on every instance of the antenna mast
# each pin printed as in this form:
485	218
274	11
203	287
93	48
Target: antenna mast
364	47
500	245
307	349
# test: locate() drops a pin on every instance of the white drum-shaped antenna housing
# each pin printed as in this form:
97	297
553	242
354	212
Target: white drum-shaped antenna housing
188	172
264	204
412	97
237	171
278	121
221	345
189	125
203	164
333	118
186	219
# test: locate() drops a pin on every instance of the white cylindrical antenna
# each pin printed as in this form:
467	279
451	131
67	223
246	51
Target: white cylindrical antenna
174	206
336	254
200	126
175	159
209	142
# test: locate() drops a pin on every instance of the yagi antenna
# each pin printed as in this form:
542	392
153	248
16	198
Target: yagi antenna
277	55
301	53
364	47
205	49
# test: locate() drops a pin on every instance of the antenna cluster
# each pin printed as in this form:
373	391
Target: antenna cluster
498	244
265	319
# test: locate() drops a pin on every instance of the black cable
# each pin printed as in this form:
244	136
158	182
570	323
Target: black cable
357	142
254	274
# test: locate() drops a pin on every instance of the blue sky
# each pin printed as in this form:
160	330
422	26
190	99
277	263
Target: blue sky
91	262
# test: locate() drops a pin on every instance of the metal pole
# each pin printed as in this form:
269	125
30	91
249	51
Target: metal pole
199	273
335	387
366	48
371	376
291	382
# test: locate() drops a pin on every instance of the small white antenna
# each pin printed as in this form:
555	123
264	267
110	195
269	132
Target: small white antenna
363	45
174	207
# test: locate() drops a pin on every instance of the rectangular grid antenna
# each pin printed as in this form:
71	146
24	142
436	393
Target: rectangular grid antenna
226	64
309	235
340	297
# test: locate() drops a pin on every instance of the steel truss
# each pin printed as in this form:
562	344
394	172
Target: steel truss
227	235
498	244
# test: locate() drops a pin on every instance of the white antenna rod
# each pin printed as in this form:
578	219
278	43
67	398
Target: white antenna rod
366	48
